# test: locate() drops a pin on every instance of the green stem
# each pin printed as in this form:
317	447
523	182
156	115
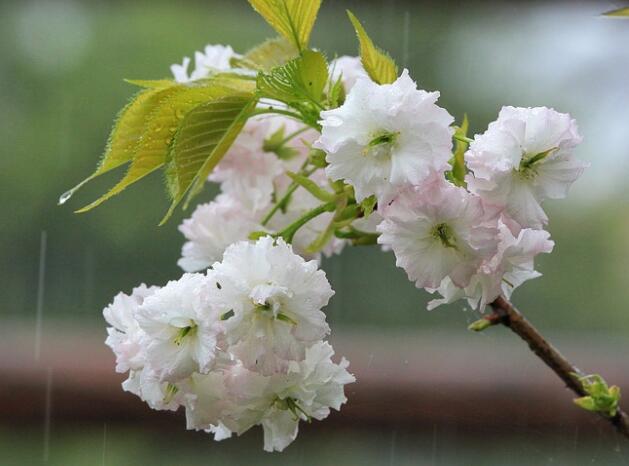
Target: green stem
278	111
289	192
358	237
289	232
462	138
293	135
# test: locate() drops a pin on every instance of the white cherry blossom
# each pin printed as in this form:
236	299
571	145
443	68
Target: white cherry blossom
181	329
273	298
309	389
211	228
148	386
241	399
438	231
212	59
247	172
386	136
125	337
524	157
512	265
349	69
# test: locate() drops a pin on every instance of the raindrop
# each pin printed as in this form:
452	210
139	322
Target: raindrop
104	443
68	194
392	452
40	293
47	415
88	289
179	113
65	196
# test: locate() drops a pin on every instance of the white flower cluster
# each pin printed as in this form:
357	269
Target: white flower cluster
392	141
239	346
243	342
253	175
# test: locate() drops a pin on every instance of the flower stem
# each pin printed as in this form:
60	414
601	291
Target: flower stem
276	111
289	192
289	232
293	135
460	137
506	314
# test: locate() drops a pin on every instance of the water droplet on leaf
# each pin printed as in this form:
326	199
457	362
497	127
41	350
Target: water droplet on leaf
65	196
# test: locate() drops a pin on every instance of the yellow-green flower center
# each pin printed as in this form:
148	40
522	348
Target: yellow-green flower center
381	144
443	232
184	332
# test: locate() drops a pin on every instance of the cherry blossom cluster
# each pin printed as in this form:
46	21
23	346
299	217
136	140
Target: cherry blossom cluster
238	346
473	240
253	177
239	339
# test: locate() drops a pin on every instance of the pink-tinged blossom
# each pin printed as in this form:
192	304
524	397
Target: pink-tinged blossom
349	69
181	329
211	228
240	398
512	265
386	136
438	231
212	59
247	172
150	388
308	390
125	336
271	300
524	157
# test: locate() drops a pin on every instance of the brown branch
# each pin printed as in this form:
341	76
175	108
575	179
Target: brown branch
506	314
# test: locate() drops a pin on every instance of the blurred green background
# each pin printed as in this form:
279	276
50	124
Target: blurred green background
61	82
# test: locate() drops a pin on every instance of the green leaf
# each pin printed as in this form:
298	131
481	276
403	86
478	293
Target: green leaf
126	134
379	65
586	402
205	135
268	55
601	398
619	13
292	19
459	169
156	134
302	79
368	204
335	93
151	83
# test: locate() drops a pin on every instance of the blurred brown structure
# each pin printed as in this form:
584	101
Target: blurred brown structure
487	381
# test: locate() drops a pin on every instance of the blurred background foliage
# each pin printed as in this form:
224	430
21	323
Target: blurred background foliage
61	82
